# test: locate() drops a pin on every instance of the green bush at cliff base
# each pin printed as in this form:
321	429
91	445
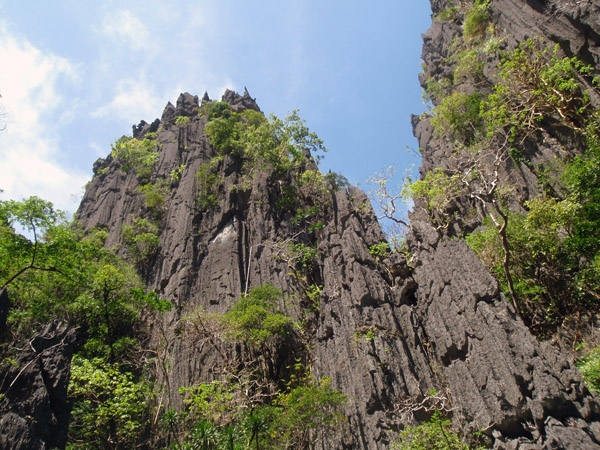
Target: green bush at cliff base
295	418
435	434
589	366
109	405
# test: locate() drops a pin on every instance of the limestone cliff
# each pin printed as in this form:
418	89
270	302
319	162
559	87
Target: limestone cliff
388	329
398	333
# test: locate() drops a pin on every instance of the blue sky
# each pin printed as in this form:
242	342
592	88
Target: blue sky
77	75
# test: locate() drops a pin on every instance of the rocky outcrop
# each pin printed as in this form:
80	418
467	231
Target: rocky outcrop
396	332
388	330
34	411
522	391
501	378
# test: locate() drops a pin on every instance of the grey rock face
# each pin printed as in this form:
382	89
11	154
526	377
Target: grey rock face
34	411
387	331
501	378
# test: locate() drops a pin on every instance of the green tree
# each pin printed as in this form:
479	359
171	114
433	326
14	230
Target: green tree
36	216
45	272
108	310
307	412
109	409
135	154
435	434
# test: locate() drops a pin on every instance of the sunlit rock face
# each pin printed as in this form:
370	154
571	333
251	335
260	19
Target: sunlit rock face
387	331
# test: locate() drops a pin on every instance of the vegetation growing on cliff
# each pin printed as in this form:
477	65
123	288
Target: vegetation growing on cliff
544	244
136	154
258	400
63	274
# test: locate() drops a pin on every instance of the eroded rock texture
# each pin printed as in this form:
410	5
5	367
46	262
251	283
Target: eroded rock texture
34	411
387	332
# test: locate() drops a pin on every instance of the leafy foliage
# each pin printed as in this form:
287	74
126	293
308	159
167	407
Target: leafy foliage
379	251
433	434
312	405
136	154
155	195
253	319
108	311
214	402
458	116
293	419
536	85
208	184
476	19
141	238
437	189
271	144
589	366
109	409
175	174
448	14
182	121
469	65
45	274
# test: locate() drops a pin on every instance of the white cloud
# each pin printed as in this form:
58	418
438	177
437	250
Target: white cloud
33	106
134	100
126	29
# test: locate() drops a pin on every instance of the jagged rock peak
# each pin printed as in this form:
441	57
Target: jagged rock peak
187	104
143	127
239	102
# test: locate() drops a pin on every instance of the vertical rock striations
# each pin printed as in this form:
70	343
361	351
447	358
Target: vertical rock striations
389	330
34	411
395	332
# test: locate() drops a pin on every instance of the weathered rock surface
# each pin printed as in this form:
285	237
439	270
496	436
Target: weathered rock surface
34	411
387	331
500	375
